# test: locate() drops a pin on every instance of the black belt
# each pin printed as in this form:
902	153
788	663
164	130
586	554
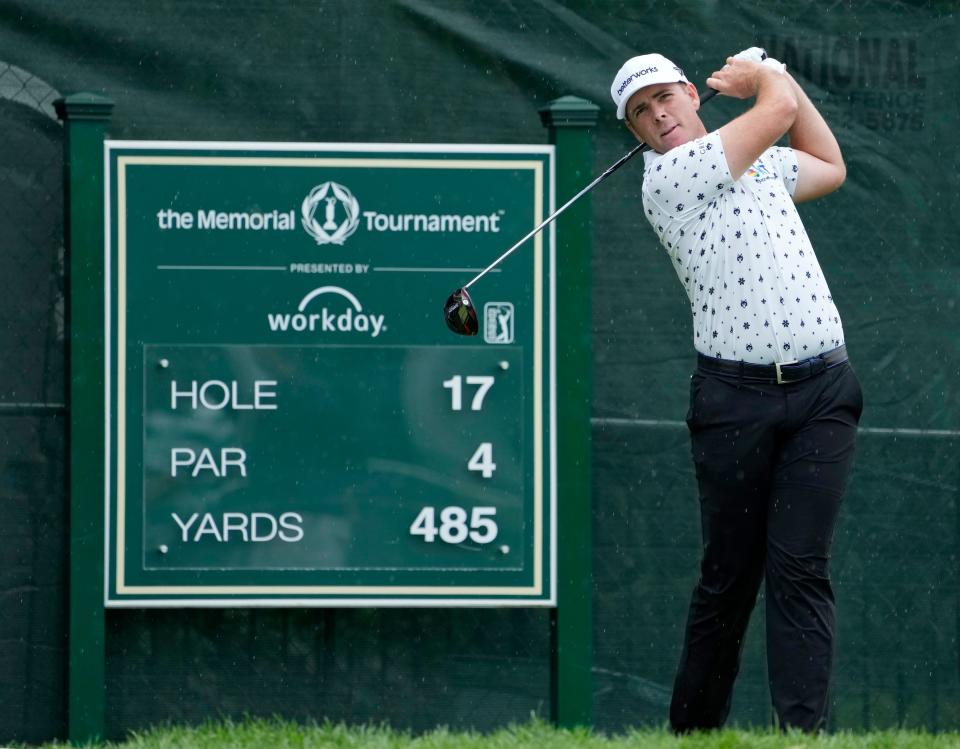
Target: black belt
780	373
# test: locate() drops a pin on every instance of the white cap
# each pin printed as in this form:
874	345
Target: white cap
644	70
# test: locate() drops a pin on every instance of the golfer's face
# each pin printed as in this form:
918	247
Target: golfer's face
664	115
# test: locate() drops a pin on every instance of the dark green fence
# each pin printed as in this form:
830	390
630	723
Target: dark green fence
33	533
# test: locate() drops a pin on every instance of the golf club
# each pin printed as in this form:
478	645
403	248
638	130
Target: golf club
459	310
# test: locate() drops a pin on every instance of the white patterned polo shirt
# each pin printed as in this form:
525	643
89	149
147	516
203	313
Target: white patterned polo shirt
738	246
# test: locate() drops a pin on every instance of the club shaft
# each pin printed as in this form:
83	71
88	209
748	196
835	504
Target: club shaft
623	160
708	94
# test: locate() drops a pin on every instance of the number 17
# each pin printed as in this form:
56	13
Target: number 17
455	384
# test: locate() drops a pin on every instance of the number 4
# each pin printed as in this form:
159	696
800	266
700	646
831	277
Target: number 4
425	525
482	460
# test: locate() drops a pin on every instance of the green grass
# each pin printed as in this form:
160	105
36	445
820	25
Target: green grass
276	734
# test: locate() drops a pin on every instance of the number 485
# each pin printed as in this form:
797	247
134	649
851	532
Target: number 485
453	525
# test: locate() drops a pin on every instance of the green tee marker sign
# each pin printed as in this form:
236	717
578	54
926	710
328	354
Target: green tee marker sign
290	422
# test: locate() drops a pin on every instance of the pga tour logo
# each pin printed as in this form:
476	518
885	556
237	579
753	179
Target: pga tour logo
498	322
307	318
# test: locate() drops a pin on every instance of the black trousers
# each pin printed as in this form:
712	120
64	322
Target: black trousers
772	463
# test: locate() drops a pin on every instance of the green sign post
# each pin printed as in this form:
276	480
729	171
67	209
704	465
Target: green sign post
85	116
289	420
570	120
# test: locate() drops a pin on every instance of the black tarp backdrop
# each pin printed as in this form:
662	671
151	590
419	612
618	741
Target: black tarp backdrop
885	74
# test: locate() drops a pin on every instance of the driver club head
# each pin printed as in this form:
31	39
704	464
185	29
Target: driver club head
460	314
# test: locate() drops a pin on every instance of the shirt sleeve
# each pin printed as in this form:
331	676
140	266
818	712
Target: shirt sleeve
787	167
688	176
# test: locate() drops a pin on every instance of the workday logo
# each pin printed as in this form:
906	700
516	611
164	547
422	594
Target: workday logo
334	319
330	213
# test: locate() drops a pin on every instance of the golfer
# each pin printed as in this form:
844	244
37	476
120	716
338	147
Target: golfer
774	403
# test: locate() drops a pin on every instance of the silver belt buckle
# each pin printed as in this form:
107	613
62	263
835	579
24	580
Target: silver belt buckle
777	365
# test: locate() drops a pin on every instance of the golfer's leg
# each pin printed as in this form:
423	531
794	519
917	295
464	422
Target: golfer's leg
810	479
733	465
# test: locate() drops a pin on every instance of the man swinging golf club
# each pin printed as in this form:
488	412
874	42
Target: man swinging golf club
774	403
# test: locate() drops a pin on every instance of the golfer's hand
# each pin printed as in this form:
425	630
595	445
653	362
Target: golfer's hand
753	54
739	78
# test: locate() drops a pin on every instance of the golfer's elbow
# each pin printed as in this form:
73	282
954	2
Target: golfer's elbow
839	175
835	174
818	177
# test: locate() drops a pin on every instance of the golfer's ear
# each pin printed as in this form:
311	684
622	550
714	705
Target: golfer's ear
693	94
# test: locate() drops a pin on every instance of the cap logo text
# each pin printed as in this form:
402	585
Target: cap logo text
638	74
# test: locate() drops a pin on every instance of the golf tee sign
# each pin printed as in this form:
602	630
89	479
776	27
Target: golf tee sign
289	422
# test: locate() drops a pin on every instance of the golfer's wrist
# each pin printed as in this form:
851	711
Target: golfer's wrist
771	80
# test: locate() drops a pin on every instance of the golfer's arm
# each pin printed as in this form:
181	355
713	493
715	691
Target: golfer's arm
818	154
753	132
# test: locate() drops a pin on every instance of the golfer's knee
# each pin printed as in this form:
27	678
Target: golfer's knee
796	566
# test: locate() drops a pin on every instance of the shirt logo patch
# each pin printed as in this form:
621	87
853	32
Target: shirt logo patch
759	172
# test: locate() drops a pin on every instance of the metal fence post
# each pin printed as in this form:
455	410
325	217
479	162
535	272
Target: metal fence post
85	117
569	120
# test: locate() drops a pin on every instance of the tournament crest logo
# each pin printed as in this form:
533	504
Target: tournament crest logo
330	219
